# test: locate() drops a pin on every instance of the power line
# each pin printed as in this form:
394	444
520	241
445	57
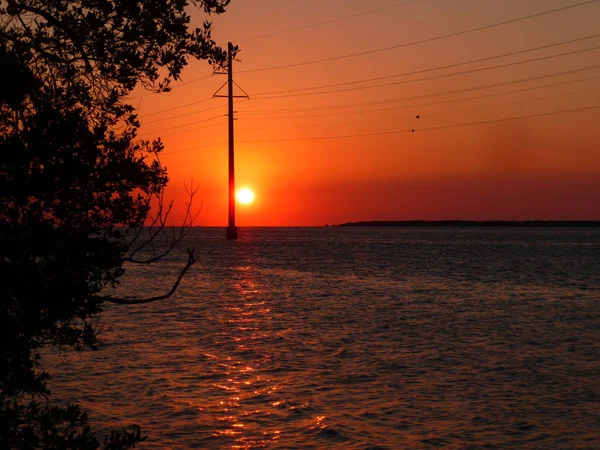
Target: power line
506	119
196	148
415	72
432	39
178	107
564	94
448	101
189	123
417	97
184	125
186	131
412	106
186	114
375	50
327	22
173	87
370	79
206	77
435	77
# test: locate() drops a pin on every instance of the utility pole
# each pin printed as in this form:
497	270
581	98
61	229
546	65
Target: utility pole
232	231
231	228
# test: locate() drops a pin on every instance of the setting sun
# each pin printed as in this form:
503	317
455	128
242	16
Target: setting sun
245	196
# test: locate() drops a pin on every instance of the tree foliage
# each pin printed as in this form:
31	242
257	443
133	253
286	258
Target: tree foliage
75	183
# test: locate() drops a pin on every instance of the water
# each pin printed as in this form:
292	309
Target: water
356	338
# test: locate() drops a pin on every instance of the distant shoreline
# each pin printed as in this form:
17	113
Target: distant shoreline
474	223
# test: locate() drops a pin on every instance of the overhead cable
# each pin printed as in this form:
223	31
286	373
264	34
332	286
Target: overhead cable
422	41
505	119
327	22
416	72
436	94
435	77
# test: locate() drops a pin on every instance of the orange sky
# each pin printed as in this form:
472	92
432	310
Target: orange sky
538	168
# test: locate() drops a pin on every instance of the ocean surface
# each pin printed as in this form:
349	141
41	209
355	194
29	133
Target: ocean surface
355	338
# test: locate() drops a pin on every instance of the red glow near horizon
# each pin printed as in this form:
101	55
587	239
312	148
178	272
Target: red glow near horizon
540	167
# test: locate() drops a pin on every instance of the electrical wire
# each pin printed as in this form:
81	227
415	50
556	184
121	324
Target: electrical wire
442	127
187	131
411	106
195	148
422	41
327	22
178	107
422	105
417	97
383	133
185	115
476	108
507	119
172	87
416	72
370	79
191	123
195	80
183	125
435	77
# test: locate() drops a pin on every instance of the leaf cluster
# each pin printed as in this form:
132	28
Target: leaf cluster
75	182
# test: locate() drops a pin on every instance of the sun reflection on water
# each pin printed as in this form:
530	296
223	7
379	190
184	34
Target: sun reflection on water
247	389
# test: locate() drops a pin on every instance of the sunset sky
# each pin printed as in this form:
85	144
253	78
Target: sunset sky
289	149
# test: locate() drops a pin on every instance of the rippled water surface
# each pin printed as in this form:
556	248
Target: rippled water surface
356	338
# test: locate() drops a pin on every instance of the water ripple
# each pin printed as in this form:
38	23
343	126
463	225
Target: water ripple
357	339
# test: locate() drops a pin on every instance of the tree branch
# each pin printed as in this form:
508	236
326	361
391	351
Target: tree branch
56	23
172	238
140	301
152	234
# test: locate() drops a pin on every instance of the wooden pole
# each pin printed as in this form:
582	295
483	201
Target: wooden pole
232	232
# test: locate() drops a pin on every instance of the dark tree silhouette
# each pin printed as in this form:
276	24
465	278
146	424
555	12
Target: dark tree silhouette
76	185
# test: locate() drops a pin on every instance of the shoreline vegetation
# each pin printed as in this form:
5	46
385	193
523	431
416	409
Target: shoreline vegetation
474	223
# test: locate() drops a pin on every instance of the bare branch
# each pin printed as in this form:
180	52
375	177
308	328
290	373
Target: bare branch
140	301
171	237
161	219
141	228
